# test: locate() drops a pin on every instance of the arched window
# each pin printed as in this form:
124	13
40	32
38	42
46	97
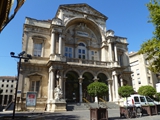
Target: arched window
81	51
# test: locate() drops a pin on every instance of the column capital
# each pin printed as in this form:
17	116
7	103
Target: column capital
95	78
52	69
110	81
80	79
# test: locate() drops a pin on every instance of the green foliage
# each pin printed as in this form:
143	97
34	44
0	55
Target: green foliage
125	91
152	47
147	90
97	89
157	95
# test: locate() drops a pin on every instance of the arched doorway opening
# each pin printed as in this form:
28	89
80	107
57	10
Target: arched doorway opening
88	78
72	87
103	78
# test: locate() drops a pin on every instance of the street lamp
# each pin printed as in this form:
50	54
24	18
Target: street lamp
20	57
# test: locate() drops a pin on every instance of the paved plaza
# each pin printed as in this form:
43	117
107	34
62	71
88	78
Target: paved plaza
74	115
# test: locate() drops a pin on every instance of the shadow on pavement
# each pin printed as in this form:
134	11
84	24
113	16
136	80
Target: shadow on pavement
59	116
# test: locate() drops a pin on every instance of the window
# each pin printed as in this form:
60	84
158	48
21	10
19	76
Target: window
6	91
137	71
6	85
11	91
149	99
136	99
139	81
38	45
11	86
68	52
142	99
35	86
132	74
148	71
134	63
149	79
2	85
94	55
37	49
3	80
12	81
120	59
81	51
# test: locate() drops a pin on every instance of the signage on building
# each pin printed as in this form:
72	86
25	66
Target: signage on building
31	99
158	87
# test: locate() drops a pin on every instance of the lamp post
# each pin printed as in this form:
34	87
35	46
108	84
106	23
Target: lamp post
20	57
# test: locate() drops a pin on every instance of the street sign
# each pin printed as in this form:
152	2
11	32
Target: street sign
31	99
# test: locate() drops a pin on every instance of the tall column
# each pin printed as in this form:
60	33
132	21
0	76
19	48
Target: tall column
52	83
116	86
113	89
115	52
60	44
80	88
48	101
110	90
52	50
110	51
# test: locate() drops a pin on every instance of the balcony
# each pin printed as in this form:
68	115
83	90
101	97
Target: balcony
91	63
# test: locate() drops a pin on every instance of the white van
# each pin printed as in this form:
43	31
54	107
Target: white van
139	100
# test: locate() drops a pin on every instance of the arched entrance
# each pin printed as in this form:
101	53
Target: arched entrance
88	78
103	78
72	87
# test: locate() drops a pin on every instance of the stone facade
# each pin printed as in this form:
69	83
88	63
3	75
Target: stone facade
72	50
141	74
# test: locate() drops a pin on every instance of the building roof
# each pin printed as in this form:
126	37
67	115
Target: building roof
8	77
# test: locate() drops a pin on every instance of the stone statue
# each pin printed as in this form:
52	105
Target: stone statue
57	93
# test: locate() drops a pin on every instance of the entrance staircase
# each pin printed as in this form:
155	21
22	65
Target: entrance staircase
87	106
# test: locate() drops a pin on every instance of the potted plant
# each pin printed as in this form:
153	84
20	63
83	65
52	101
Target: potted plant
157	95
148	90
98	89
125	92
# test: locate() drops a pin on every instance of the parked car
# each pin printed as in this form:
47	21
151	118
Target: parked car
139	100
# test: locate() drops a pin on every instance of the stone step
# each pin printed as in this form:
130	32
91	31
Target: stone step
86	106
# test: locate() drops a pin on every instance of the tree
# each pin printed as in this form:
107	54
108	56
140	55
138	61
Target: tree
147	90
97	89
125	91
157	95
152	47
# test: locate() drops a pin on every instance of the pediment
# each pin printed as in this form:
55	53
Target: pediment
83	8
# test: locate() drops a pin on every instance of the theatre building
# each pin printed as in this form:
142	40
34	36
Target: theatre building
71	51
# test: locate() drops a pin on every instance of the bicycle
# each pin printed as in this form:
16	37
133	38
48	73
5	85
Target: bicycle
131	112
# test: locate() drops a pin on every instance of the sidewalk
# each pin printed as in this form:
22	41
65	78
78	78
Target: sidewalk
113	114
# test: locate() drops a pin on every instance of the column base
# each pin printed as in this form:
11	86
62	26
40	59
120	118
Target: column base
56	106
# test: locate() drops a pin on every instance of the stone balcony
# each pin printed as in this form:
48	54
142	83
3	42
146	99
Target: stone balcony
91	63
84	62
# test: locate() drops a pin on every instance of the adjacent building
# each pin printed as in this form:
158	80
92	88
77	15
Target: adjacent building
8	85
141	74
71	51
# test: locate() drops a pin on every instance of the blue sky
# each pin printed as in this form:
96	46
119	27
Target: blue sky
128	18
